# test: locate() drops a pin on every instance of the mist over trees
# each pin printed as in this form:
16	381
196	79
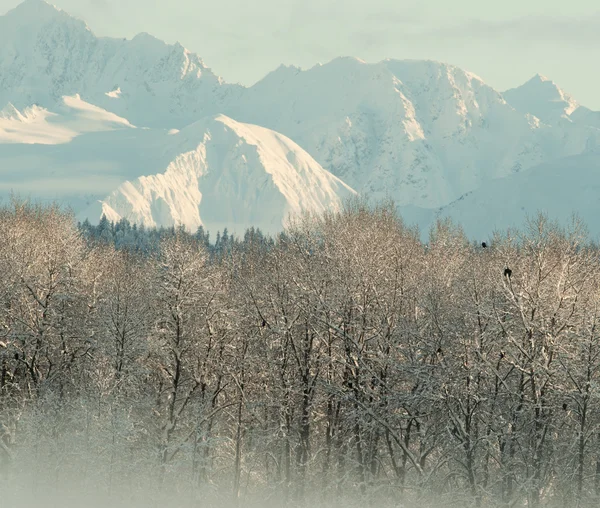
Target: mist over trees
344	363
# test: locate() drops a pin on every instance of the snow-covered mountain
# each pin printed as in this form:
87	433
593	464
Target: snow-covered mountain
227	175
542	97
64	86
46	54
217	172
69	118
136	129
421	132
558	188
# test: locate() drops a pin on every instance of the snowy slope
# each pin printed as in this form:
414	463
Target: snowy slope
69	118
421	132
216	172
543	98
46	54
585	116
227	175
559	188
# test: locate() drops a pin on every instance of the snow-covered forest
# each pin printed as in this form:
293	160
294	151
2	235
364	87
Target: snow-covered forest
344	363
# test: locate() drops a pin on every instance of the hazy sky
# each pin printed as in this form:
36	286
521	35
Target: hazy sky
505	42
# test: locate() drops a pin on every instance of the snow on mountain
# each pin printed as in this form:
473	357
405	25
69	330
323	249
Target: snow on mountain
227	175
421	132
46	54
10	113
585	116
70	117
542	98
559	188
216	172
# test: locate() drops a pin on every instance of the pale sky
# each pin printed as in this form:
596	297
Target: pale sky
505	42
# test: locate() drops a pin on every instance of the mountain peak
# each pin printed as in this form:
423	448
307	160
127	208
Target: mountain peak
543	98
539	78
46	54
541	82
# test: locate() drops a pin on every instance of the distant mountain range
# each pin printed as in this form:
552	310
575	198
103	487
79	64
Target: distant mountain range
144	130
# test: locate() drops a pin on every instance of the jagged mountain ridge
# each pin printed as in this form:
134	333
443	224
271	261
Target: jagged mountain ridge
46	54
421	132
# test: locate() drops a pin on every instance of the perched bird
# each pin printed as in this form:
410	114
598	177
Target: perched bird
508	272
565	406
483	244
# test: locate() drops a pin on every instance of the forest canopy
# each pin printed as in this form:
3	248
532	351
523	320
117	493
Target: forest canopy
343	363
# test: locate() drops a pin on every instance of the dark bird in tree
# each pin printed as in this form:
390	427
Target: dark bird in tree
483	244
502	355
16	356
565	406
264	323
508	272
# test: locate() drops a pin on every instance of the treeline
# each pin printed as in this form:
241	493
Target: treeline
344	363
124	235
